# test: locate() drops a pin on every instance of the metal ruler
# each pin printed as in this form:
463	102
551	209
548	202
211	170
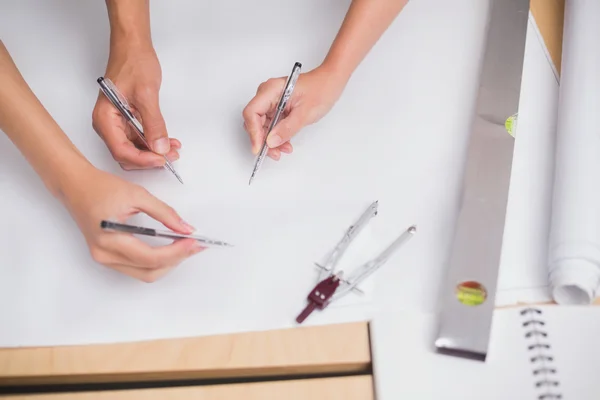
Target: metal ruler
468	297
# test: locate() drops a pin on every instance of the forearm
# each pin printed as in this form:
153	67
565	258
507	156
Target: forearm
34	132
129	24
364	24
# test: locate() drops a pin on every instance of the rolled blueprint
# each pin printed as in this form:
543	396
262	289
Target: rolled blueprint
574	251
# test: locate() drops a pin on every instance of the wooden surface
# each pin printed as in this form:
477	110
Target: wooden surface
346	388
549	17
329	349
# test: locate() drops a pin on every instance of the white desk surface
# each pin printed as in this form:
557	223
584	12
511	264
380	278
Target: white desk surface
397	134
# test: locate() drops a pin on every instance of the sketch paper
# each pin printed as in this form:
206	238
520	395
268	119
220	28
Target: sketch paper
397	135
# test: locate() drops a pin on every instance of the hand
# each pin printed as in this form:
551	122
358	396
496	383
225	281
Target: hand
137	74
97	195
314	95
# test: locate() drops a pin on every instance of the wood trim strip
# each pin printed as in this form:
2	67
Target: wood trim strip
342	348
346	388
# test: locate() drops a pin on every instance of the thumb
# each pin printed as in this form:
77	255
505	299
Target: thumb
162	212
154	125
287	128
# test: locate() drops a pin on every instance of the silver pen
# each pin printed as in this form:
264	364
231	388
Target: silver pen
285	96
120	102
139	230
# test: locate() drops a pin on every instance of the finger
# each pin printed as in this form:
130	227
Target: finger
160	211
275	154
128	154
155	129
113	130
144	275
132	251
255	111
172	156
286	148
175	144
287	128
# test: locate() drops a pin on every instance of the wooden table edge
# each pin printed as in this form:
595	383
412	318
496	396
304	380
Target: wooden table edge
328	349
335	388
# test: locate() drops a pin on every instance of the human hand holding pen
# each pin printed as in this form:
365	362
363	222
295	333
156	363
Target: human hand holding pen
317	91
314	95
93	195
89	194
134	68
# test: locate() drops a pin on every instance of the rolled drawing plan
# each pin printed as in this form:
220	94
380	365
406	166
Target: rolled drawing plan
574	250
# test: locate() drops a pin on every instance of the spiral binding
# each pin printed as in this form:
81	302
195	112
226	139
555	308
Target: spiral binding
544	371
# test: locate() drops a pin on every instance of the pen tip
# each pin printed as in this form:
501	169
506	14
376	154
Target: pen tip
412	229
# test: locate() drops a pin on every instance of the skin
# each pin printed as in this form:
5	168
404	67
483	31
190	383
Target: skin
134	68
89	194
317	91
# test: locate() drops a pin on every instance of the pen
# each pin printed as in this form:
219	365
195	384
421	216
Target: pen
285	96
138	230
120	102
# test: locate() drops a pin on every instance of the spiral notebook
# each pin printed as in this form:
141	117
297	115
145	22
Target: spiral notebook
536	353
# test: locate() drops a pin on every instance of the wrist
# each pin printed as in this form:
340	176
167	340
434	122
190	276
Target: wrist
126	46
336	75
67	172
337	71
129	24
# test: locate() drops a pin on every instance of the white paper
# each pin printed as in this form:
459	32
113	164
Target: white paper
397	135
523	275
574	259
407	366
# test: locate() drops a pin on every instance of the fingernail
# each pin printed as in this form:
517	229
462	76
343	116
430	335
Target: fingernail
188	227
274	141
197	247
162	146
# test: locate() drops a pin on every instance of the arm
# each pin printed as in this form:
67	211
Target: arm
133	66
129	24
317	91
364	24
89	194
33	131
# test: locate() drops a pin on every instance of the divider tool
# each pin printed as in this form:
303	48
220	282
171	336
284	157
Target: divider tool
331	284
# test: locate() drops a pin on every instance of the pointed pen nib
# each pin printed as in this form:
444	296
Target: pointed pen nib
170	168
251	179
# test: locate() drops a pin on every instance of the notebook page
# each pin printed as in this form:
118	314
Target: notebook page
574	334
406	365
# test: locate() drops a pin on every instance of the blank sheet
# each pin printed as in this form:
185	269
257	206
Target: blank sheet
397	135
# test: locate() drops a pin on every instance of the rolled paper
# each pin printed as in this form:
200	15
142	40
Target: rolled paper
574	239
